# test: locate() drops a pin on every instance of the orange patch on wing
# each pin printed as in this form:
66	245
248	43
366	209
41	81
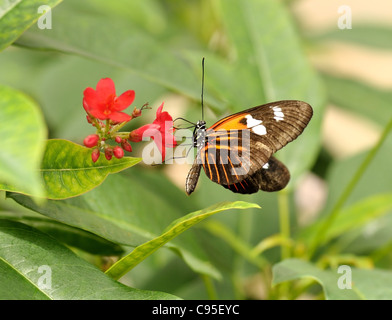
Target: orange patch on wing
230	123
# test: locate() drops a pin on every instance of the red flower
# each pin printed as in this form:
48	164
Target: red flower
161	130
103	103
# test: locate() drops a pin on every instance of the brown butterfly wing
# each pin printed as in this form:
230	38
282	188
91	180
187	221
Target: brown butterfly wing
239	145
192	178
273	176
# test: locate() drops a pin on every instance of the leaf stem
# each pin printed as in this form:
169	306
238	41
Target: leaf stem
211	292
284	221
347	192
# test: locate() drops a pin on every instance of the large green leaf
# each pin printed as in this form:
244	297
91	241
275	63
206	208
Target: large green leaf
365	284
35	266
63	233
23	133
128	212
175	229
68	171
17	15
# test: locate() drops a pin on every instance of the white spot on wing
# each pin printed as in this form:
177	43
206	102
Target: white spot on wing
266	166
251	122
278	114
260	130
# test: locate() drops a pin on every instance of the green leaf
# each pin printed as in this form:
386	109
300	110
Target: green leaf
373	284
366	35
17	16
366	284
117	211
68	171
173	230
294	269
6	6
63	233
370	102
35	266
23	132
353	217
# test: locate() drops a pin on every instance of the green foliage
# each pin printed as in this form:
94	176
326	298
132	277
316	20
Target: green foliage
67	170
73	278
63	211
24	131
17	16
175	229
366	284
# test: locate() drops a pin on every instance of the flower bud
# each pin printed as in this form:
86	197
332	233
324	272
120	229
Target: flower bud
126	145
136	113
118	139
118	152
108	153
91	140
95	155
135	136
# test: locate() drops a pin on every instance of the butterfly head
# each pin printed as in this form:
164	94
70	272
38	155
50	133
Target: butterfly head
200	125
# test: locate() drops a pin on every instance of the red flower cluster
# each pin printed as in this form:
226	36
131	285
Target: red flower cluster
103	104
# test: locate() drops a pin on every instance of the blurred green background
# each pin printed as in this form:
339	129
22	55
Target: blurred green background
256	52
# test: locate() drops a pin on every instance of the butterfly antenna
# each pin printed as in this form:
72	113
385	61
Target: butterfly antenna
202	89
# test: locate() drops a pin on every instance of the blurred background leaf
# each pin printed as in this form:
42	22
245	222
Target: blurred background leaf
375	36
23	131
17	16
366	284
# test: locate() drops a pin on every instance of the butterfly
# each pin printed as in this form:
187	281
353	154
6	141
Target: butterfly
237	151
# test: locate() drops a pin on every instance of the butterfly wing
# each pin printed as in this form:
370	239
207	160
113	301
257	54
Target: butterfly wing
273	176
192	178
240	145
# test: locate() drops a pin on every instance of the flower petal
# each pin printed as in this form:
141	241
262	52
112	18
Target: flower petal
86	106
119	117
159	110
170	140
147	130
89	98
106	88
98	113
124	101
164	117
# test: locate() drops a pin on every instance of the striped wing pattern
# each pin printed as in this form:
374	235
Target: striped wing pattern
238	150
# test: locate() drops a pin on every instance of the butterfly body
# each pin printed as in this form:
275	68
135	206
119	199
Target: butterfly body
237	151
